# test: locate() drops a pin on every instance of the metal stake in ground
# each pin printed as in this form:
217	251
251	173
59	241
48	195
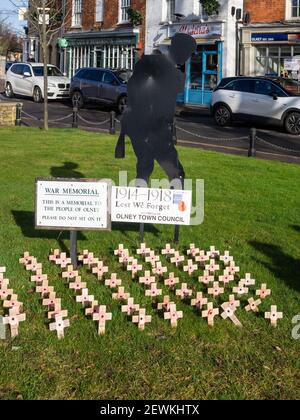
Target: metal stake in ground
112	128
75	117
252	151
73	247
19	114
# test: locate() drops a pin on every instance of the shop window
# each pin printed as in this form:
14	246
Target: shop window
124	5
77	13
99	10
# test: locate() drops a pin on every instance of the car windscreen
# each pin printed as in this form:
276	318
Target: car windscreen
52	71
123	76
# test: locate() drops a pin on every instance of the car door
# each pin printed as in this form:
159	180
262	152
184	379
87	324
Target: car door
26	81
110	85
269	99
91	84
15	78
234	94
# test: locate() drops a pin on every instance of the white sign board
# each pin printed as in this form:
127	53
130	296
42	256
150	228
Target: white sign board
292	64
151	205
70	204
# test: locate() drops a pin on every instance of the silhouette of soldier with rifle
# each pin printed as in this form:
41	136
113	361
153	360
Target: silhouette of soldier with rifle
149	116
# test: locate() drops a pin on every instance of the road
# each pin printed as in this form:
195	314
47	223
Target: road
194	129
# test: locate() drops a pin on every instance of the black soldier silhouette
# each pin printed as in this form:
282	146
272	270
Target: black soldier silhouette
148	118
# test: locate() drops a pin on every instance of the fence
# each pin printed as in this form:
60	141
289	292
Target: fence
75	118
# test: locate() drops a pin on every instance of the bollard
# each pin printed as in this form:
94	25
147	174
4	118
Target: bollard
252	151
112	128
75	117
18	121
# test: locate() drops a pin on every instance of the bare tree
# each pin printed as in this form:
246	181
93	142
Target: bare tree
46	19
9	41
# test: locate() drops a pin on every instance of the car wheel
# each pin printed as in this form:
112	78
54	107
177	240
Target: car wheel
77	100
9	93
292	123
122	103
222	115
37	95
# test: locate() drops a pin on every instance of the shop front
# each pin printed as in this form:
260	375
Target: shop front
113	49
271	51
204	69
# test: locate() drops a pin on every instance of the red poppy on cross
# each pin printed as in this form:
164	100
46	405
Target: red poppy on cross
173	315
102	316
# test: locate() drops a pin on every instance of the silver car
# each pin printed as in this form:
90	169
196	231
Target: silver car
105	86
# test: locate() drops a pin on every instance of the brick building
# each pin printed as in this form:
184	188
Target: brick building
271	38
99	34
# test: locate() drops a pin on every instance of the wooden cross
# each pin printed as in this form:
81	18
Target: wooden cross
26	259
147	279
84	255
53	303
213	253
33	266
200	301
89	259
62	260
113	282
253	305
212	266
226	278
121	295
206	278
171	280
216	290
13	303
154	291
234	304
58	313
232	268
39	277
125	259
3	284
193	251
54	255
5	293
168	250
44	289
263	292
143	250
210	314
141	319
131	307
100	270
134	267
184	292
120	251
159	270
94	308
13	321
240	289
2	270
152	258
248	281
77	285
191	267
85	299
70	273
177	259
102	316
226	258
173	315
165	305
273	316
229	312
202	258
59	325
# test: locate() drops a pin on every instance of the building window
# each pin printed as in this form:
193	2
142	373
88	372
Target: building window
124	5
99	10
77	13
295	8
170	10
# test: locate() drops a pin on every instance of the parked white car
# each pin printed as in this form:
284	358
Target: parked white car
27	79
257	99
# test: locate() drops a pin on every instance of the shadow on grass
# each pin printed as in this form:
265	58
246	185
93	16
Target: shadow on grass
123	228
295	227
283	266
26	221
68	170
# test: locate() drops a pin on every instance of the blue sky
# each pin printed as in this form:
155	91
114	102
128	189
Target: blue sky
7	10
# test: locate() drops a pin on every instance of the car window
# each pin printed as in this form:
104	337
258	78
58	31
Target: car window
26	69
263	87
52	71
291	86
279	92
240	86
94	75
17	69
109	78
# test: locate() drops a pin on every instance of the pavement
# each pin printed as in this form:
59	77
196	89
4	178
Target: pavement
195	128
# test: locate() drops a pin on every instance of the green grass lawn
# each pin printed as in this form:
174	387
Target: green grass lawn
251	209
